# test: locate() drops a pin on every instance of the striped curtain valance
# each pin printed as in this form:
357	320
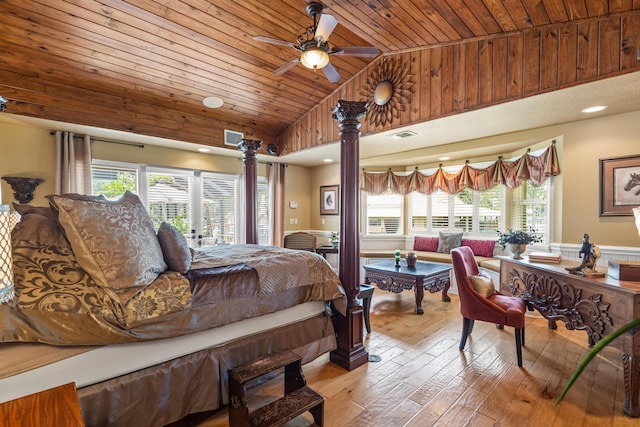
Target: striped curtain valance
510	173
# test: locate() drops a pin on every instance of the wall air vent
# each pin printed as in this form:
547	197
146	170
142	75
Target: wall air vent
402	134
231	137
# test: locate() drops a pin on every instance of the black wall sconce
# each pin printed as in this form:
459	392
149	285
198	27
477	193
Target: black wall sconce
23	188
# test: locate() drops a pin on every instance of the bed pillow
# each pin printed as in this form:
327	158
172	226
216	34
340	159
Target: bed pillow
480	247
175	248
423	243
114	241
38	224
448	241
483	284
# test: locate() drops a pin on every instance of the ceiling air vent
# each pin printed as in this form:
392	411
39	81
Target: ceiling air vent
232	137
402	134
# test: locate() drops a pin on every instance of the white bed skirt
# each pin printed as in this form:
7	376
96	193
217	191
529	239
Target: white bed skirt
115	360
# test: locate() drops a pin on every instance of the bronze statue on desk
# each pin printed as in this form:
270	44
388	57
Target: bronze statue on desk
590	254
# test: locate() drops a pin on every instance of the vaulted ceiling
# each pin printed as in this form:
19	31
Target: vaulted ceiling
145	66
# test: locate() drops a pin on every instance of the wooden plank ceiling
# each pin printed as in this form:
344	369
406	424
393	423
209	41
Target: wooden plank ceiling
145	66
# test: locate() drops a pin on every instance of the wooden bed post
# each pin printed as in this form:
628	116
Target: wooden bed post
350	352
249	158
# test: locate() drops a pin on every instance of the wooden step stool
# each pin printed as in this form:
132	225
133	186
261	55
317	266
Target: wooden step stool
297	399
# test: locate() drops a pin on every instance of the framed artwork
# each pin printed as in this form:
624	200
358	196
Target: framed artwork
329	200
619	185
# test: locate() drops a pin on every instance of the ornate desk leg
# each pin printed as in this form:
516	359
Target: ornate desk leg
419	291
631	404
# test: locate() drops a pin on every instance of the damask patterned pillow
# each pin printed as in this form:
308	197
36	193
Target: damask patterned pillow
114	241
175	248
48	278
448	241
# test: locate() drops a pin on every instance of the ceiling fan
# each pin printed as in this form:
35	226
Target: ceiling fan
314	48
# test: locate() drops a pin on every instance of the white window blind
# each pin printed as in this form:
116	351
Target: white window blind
384	213
220	208
170	195
470	211
529	209
264	234
490	210
463	210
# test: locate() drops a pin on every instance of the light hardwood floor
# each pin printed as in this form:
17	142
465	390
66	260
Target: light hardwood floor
424	380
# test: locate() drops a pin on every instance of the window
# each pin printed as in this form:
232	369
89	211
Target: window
112	182
529	208
473	212
169	194
264	223
204	206
384	213
220	208
490	208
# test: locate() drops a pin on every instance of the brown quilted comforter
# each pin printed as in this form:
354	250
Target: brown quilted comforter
56	302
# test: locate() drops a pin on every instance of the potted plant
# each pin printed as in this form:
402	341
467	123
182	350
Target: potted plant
518	240
334	238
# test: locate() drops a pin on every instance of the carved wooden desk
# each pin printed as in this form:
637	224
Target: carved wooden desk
595	305
433	276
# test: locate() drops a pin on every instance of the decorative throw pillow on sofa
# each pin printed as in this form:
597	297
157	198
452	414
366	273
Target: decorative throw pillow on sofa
175	248
114	241
448	241
480	247
422	243
483	284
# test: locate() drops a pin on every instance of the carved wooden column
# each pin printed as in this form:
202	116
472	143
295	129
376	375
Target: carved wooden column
249	148
350	352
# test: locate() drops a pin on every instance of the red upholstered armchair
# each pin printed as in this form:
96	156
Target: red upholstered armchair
495	308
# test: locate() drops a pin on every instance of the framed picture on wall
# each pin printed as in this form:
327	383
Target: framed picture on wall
619	185
329	200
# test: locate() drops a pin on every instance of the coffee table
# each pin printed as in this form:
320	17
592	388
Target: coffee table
433	276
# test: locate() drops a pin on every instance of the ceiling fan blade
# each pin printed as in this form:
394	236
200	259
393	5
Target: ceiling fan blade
286	67
325	27
331	73
272	41
362	51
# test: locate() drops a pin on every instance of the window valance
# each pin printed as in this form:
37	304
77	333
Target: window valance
510	173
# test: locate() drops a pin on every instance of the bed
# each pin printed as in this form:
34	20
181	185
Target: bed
145	327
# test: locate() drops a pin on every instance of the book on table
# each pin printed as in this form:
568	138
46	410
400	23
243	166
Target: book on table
545	257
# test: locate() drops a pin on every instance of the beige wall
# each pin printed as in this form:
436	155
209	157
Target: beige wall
28	151
576	190
162	156
297	184
323	175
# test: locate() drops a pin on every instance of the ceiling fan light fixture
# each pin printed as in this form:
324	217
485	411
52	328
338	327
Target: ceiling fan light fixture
314	57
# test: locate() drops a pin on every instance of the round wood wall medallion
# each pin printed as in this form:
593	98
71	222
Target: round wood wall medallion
387	89
382	93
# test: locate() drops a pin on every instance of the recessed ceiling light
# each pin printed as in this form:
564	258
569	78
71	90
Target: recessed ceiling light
204	150
212	102
594	109
444	158
328	160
